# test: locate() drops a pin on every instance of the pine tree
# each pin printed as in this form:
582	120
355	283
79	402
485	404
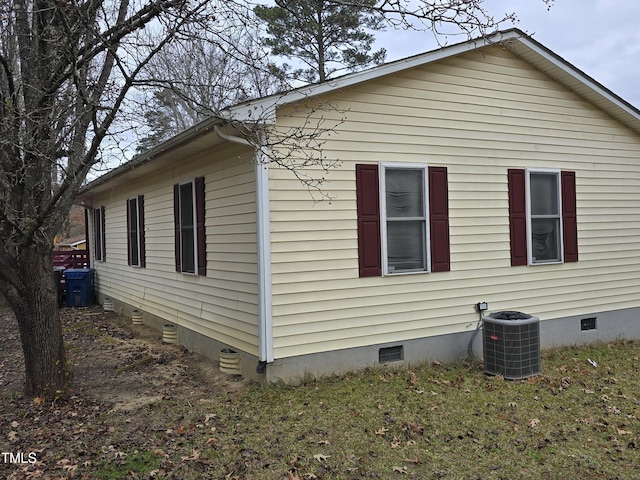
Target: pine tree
328	37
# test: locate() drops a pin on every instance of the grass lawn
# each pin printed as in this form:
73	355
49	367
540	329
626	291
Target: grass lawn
432	421
575	421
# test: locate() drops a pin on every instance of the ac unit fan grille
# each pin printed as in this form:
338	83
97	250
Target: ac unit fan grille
512	349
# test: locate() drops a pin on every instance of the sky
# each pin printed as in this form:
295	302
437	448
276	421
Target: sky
600	37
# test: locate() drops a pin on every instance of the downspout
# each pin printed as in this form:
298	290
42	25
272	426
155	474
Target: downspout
265	317
87	230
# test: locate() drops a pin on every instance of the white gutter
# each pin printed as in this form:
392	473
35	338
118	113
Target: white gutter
146	157
263	227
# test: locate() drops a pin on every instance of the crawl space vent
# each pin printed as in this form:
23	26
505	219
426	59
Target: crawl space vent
588	324
390	354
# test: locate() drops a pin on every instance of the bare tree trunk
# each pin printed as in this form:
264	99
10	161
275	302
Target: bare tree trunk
48	374
67	71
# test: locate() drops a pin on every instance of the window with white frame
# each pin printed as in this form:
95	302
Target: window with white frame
188	228
404	202
544	216
99	234
135	231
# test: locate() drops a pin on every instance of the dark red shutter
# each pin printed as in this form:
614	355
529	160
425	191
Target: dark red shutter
439	219
142	259
368	209
128	232
517	216
176	223
200	230
104	236
569	218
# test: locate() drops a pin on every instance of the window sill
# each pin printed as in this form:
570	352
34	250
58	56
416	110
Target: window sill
397	274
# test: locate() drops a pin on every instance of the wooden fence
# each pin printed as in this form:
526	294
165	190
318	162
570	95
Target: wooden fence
70	259
64	259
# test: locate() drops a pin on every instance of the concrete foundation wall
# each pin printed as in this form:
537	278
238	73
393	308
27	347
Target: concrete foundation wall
192	341
614	325
609	326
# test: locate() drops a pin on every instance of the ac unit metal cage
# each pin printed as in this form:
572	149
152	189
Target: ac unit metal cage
511	343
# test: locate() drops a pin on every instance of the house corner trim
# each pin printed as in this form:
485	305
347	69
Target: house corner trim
265	314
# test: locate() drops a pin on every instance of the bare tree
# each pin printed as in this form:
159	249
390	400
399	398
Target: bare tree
68	69
195	80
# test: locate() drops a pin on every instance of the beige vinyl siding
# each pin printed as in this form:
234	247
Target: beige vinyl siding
222	305
478	115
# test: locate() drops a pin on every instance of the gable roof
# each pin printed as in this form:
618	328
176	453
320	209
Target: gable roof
263	110
73	241
513	40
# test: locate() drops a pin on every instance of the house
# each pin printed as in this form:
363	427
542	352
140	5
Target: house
488	171
74	243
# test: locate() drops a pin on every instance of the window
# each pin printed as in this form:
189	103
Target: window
404	209
542	217
403	219
187	228
99	234
190	242
135	231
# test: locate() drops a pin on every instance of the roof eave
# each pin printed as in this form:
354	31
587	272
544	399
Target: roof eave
266	107
263	111
576	80
515	40
138	161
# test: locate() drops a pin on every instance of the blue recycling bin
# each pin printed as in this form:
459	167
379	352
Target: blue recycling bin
79	286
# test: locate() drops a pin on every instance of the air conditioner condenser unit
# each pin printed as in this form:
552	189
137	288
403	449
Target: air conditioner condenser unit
511	344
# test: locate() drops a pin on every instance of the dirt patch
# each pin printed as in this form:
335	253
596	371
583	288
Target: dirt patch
117	364
129	411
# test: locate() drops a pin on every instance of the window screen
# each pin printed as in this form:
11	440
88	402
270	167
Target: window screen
405	219
545	217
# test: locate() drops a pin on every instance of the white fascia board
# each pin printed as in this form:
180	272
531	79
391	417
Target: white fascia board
163	148
556	67
264	110
260	111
